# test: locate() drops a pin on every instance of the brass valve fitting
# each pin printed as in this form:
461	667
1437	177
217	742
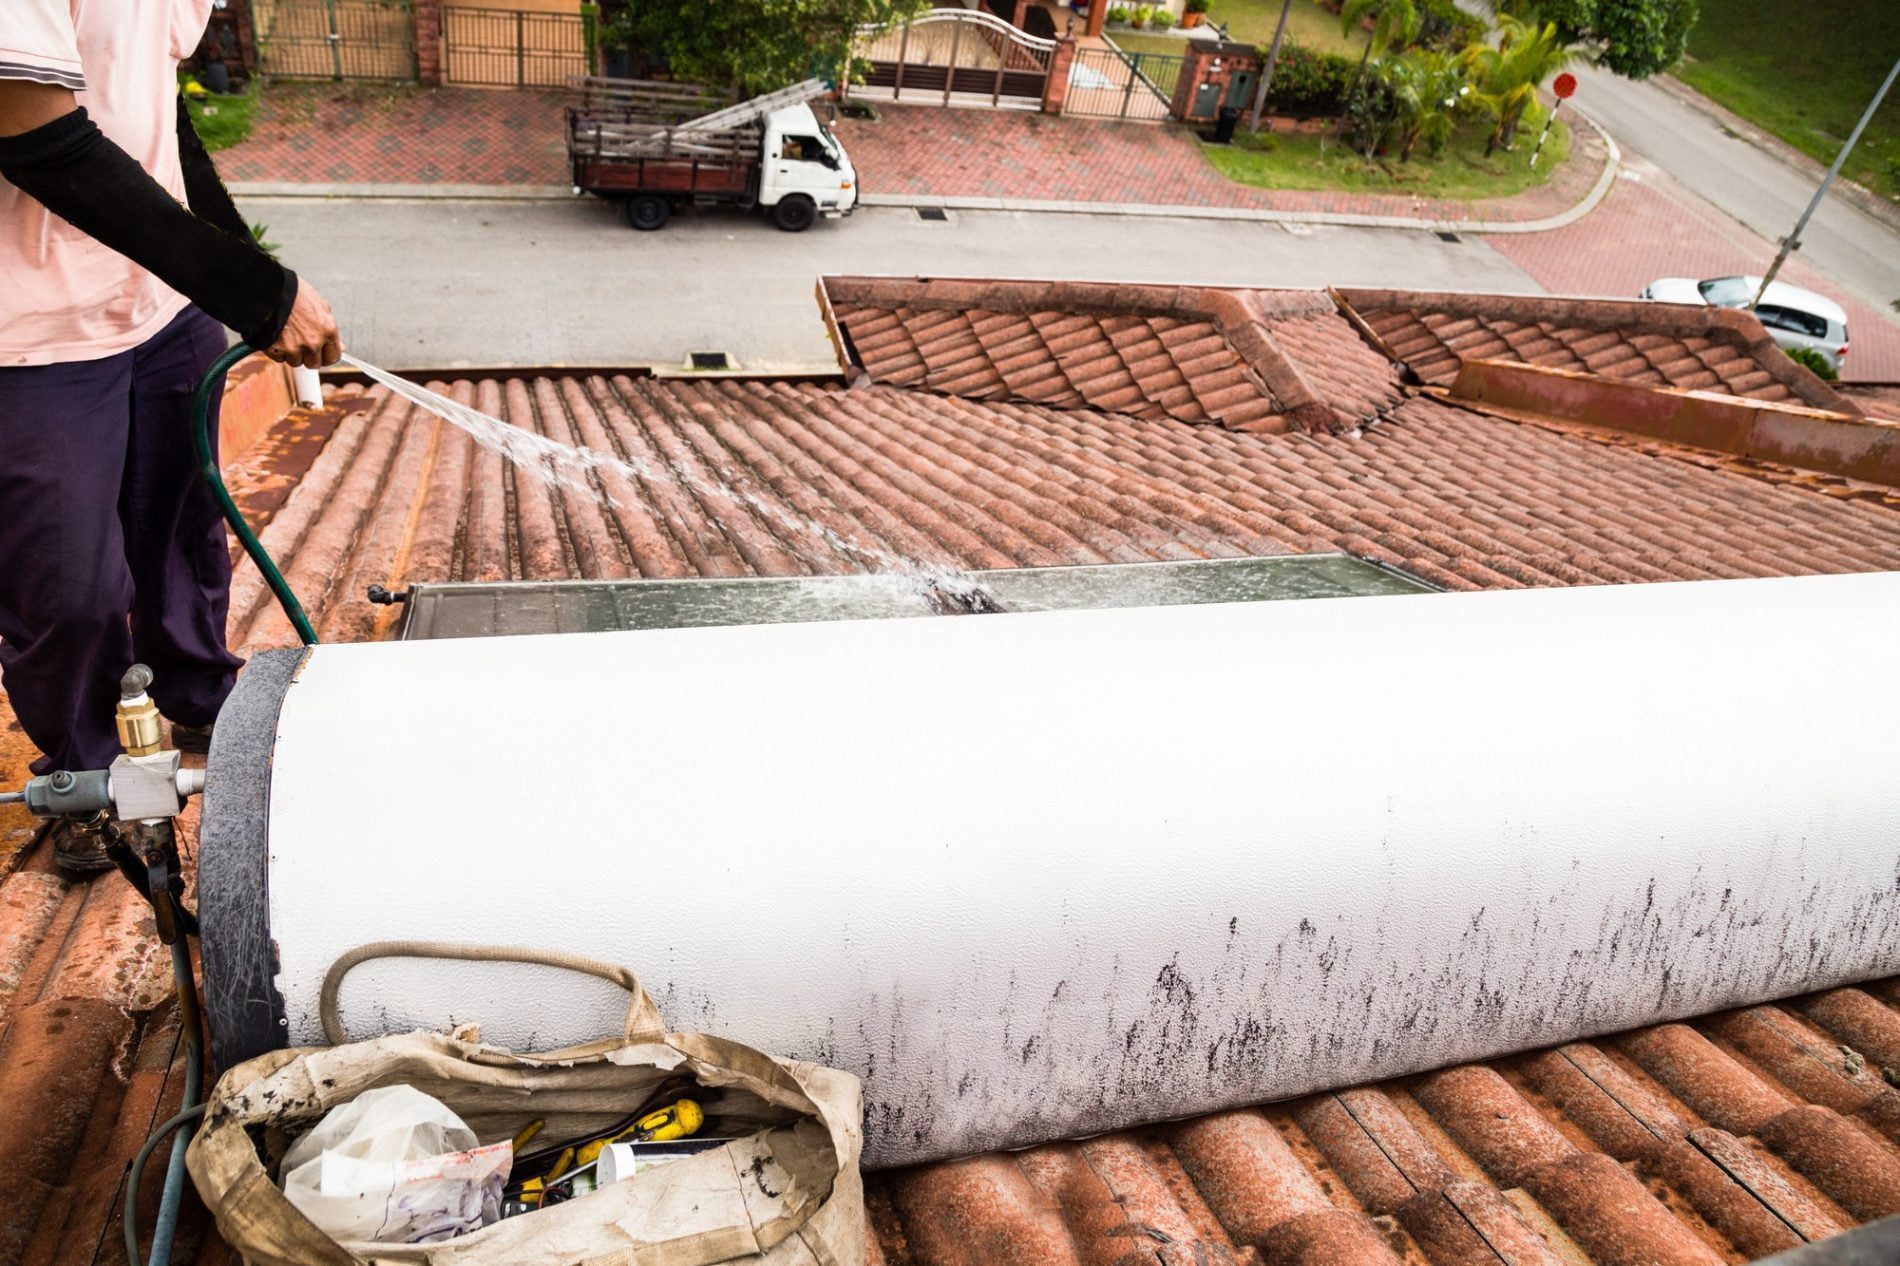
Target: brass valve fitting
140	731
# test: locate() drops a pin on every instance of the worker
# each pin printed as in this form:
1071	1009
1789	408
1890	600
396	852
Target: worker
112	295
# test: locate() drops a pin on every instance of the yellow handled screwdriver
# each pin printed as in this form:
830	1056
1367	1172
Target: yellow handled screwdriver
675	1121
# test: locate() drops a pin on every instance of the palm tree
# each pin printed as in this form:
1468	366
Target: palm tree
1506	76
1428	89
1392	21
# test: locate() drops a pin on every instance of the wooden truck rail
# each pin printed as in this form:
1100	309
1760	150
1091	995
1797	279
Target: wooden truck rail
623	134
669	103
695	177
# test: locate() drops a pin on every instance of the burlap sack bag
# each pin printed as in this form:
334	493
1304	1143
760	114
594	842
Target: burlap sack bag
786	1192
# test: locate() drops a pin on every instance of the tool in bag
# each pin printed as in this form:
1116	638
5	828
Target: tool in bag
782	1185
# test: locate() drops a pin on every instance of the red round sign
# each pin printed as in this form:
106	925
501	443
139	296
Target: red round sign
1564	86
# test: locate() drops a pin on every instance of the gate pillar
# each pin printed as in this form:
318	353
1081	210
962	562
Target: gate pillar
1055	89
428	15
1208	77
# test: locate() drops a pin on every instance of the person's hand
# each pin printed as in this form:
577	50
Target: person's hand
310	337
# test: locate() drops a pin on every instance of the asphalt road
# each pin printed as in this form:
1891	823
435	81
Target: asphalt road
1750	185
447	284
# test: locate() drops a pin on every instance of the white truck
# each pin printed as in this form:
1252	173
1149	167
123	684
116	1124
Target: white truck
658	147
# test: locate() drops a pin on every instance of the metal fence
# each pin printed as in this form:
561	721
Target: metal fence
336	39
1111	83
968	53
514	48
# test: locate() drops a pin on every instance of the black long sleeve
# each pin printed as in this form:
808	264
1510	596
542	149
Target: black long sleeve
79	175
204	191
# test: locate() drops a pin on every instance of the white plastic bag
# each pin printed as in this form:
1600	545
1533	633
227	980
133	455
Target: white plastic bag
398	1166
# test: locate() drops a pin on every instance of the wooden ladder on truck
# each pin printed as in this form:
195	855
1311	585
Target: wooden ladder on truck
634	118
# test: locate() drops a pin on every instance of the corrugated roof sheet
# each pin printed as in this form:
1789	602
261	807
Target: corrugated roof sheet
1718	1140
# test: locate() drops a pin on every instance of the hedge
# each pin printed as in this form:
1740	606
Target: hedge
1309	84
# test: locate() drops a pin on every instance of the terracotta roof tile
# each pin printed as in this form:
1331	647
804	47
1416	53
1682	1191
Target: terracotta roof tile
1660	344
1718	1139
1245	359
1564	1155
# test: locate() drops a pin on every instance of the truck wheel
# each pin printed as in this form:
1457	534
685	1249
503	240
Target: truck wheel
648	211
795	214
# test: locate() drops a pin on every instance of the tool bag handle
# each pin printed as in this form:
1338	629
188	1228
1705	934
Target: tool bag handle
644	1023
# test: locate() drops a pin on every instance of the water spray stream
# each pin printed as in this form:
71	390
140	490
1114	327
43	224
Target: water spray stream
572	467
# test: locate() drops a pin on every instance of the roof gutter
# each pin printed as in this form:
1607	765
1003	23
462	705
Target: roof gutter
1840	444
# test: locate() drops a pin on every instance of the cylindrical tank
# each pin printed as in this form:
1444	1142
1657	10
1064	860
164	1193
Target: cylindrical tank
1044	875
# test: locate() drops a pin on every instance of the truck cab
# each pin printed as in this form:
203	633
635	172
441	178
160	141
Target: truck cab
804	172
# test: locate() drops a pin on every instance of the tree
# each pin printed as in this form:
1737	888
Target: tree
753	46
1633	38
1392	21
1505	76
1427	90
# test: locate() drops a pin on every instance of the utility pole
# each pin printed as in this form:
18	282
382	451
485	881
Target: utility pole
1792	242
1266	73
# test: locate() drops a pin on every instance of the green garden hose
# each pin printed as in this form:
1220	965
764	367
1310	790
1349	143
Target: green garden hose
189	1022
208	466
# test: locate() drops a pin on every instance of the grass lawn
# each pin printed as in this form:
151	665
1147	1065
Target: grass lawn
1252	22
1460	171
1805	73
1142	42
222	122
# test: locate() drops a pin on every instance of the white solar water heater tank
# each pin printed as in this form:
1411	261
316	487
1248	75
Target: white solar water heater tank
1044	875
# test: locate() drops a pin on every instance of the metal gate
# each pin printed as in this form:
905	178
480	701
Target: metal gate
514	48
1110	83
966	52
336	39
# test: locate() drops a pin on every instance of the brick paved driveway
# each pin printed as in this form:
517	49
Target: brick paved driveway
928	150
322	133
1652	226
368	133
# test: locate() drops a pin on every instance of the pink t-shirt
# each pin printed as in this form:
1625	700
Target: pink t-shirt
63	296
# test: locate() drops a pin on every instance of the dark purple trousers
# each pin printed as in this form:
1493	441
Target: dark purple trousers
112	551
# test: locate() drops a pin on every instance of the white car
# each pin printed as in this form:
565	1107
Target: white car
1793	317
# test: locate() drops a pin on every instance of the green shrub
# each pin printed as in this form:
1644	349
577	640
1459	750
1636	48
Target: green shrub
1444	26
1195	6
1144	14
1369	114
1308	84
1813	360
1162	19
1120	14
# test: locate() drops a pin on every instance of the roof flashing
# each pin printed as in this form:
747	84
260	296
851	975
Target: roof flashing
1845	445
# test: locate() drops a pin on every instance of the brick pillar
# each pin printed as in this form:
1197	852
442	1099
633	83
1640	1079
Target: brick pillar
1193	70
246	34
1055	89
428	15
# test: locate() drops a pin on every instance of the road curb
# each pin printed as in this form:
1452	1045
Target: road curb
1613	161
